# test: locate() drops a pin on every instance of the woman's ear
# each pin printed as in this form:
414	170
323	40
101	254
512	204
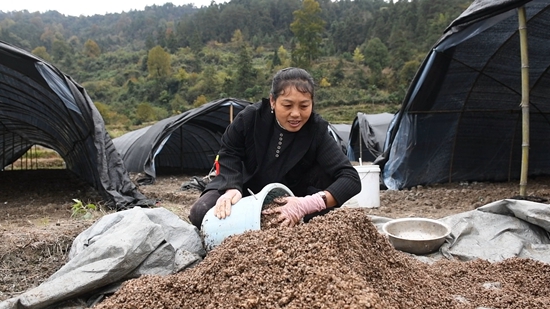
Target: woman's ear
272	101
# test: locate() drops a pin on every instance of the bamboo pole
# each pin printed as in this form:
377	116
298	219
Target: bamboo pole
360	143
524	100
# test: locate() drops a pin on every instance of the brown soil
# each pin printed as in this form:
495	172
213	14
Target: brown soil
37	229
335	261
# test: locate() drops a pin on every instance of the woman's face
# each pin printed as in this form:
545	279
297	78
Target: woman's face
292	108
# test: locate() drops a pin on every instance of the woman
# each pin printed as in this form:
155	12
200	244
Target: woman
281	140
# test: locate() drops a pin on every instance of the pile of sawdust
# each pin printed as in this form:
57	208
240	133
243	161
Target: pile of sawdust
335	261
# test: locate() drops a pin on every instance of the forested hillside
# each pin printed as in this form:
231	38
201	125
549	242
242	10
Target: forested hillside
142	66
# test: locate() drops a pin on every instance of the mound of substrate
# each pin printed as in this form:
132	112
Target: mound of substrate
335	261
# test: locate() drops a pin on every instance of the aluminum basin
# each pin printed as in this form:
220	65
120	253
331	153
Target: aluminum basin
416	235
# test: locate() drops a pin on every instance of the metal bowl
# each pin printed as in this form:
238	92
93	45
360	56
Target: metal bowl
416	235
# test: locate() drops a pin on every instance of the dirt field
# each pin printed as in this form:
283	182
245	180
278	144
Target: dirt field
37	225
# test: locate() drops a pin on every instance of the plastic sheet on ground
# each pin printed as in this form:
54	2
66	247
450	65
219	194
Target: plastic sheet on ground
494	232
139	241
118	247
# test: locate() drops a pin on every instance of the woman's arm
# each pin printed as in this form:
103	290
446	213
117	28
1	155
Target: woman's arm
336	164
231	155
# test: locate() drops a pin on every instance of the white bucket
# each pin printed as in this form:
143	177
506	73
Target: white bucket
370	187
245	216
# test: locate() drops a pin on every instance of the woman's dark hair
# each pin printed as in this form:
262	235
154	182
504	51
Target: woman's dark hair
296	77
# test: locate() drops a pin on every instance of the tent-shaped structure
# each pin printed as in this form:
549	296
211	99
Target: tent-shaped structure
339	134
343	130
39	105
185	142
369	131
461	118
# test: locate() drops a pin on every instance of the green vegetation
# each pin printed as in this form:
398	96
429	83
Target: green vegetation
37	157
39	152
81	211
142	66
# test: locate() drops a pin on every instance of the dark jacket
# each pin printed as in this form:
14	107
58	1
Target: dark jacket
243	150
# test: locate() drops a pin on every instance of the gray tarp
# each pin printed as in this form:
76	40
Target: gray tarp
134	242
118	247
342	130
339	136
494	232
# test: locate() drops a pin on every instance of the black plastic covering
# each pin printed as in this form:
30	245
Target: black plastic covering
187	142
39	105
461	118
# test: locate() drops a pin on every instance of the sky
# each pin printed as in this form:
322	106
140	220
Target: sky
88	8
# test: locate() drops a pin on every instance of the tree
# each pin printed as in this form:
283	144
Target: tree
91	49
283	55
350	28
149	42
171	40
104	110
210	84
360	79
111	117
201	100
63	54
178	104
237	37
358	56
145	112
228	87
246	75
376	55
324	83
195	43
338	73
41	52
408	71
158	62
308	28
276	60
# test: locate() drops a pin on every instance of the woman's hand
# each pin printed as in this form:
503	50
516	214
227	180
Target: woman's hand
293	209
222	209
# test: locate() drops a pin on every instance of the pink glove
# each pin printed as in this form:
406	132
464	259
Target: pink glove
295	208
222	209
